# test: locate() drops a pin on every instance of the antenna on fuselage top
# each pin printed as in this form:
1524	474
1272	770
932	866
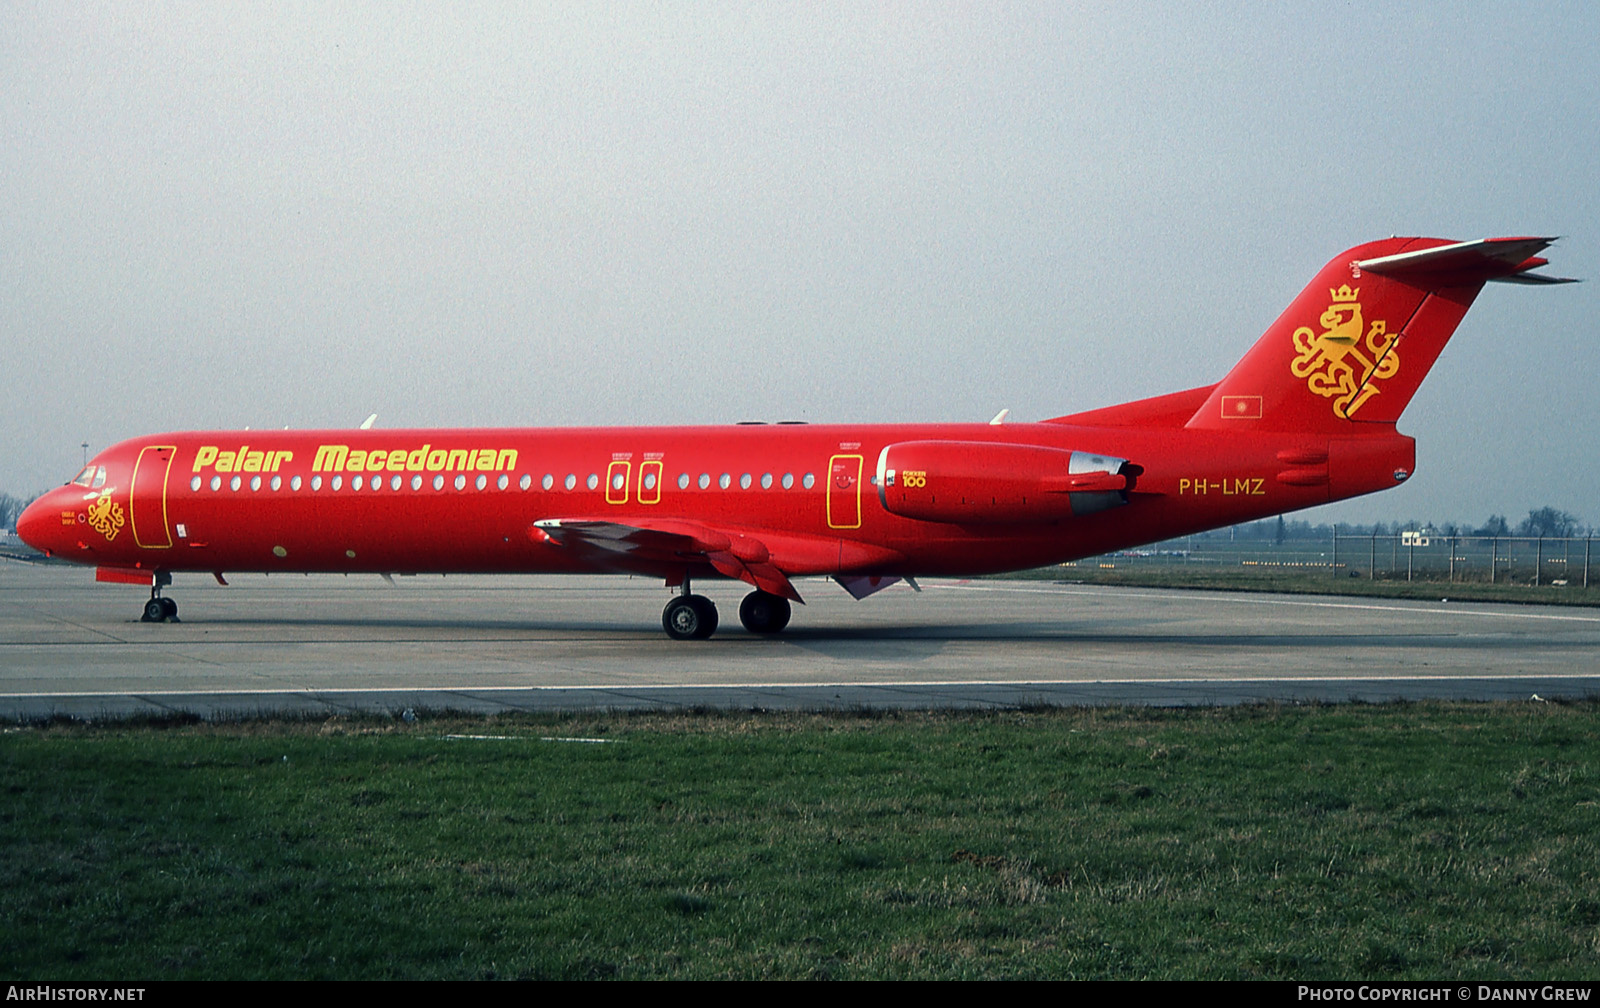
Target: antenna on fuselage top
1000	417
369	421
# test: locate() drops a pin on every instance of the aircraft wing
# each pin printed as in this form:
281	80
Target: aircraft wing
650	545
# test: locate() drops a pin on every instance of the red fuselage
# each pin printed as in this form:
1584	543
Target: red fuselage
1307	416
452	501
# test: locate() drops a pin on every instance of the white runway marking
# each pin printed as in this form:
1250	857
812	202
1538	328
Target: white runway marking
842	684
524	738
1192	595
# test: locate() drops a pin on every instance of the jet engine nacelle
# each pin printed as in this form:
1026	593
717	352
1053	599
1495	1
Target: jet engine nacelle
979	482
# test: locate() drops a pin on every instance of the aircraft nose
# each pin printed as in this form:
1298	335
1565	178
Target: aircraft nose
35	523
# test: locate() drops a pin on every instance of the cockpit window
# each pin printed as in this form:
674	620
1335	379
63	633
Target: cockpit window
93	477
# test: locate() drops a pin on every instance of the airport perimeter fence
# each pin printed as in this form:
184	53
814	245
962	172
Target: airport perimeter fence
1409	556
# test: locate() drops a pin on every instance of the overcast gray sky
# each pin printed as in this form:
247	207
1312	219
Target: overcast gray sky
473	214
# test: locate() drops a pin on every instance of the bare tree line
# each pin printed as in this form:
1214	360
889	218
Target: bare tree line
1545	522
11	507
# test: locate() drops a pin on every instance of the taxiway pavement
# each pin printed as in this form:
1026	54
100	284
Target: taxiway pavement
291	644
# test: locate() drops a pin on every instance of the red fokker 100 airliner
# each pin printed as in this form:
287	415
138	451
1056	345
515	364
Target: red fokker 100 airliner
1307	417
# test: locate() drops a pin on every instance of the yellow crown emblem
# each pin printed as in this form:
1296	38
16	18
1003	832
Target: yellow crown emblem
1338	363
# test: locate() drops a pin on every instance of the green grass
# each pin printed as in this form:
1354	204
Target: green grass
1410	841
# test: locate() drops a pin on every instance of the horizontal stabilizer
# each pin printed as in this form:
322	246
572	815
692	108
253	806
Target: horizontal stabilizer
1503	259
1535	278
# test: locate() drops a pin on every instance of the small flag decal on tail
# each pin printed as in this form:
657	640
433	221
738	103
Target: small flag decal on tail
1241	407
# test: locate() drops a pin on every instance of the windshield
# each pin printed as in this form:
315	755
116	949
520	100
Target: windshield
93	477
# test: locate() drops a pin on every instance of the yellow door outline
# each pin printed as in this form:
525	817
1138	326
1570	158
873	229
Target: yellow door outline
650	494
615	493
164	539
844	492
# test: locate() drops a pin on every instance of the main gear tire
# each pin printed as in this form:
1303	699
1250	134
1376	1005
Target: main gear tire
764	613
689	617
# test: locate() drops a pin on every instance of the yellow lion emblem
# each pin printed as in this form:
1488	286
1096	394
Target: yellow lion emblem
105	516
1333	361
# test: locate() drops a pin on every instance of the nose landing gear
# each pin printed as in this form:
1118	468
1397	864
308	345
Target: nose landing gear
159	609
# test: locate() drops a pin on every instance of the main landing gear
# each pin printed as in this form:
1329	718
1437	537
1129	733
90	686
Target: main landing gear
689	617
159	609
694	617
764	613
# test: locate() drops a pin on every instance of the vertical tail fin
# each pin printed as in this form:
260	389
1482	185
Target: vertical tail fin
1355	345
